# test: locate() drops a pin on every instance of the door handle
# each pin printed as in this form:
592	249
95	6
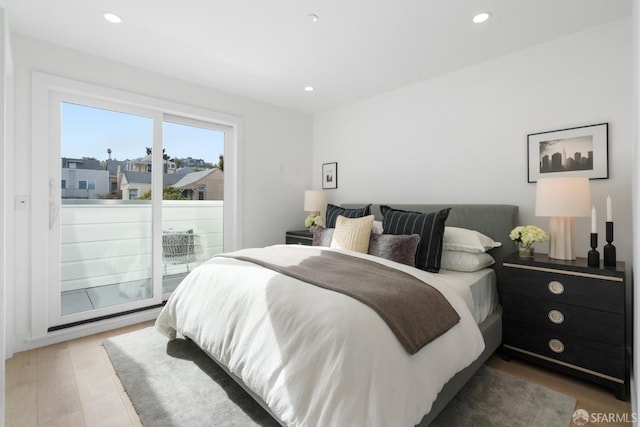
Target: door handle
54	210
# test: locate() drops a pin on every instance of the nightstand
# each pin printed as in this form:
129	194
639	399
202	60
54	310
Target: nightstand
299	237
567	316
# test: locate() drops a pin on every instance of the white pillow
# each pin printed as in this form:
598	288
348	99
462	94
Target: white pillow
376	227
465	261
462	239
352	233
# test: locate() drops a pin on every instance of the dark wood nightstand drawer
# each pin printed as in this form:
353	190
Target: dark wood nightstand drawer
594	325
596	358
600	293
299	237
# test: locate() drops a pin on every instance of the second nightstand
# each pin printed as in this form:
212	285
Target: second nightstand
567	316
299	237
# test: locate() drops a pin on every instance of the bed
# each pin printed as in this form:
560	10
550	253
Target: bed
292	371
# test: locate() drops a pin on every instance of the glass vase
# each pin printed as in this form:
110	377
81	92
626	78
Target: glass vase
525	251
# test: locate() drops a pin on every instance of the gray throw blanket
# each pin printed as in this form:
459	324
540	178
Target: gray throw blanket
416	312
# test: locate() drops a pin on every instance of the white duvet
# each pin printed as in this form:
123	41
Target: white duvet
318	357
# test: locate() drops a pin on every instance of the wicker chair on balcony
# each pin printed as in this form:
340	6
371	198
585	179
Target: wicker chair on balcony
180	247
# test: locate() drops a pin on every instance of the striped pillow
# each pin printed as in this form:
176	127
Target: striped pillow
430	227
333	211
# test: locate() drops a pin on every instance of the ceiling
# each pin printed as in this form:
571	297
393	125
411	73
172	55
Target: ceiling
270	50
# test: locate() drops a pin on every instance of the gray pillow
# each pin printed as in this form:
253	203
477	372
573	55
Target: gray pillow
322	236
399	248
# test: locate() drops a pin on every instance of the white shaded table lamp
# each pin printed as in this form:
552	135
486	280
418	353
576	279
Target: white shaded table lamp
562	199
314	202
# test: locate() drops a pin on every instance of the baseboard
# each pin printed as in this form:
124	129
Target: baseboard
29	343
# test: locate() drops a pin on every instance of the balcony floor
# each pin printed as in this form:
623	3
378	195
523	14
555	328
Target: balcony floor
87	299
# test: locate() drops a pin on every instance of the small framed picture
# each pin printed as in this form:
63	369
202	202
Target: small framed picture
329	176
581	151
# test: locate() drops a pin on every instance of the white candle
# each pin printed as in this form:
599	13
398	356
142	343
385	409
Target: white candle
593	219
609	209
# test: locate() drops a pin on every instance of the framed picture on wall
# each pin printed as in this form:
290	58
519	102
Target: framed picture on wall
329	176
580	151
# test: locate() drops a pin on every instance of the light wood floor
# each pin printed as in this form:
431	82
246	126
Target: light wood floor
73	384
68	384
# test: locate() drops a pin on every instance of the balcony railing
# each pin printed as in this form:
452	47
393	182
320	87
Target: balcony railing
107	242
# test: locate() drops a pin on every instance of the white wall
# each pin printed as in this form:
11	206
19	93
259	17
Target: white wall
462	137
5	193
276	157
635	165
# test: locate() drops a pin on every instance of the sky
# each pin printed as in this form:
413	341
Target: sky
580	144
89	132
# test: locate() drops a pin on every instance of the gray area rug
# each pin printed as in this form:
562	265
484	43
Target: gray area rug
495	398
175	384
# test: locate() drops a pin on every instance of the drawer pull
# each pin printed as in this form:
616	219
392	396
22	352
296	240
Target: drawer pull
556	317
556	287
556	345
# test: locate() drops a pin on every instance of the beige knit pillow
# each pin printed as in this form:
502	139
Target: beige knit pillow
352	233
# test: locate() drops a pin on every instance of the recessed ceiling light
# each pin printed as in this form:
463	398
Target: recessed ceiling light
313	17
481	17
308	88
112	17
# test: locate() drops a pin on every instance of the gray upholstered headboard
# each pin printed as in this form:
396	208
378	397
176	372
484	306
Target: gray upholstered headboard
496	221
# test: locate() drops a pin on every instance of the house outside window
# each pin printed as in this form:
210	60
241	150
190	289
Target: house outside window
133	193
82	185
64	184
201	193
91	184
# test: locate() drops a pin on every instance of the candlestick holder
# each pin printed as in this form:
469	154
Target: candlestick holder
593	257
609	249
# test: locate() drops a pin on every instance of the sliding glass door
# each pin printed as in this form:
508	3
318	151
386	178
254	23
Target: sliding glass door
105	234
192	196
140	204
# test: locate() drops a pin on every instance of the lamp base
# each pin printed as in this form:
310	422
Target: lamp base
561	238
